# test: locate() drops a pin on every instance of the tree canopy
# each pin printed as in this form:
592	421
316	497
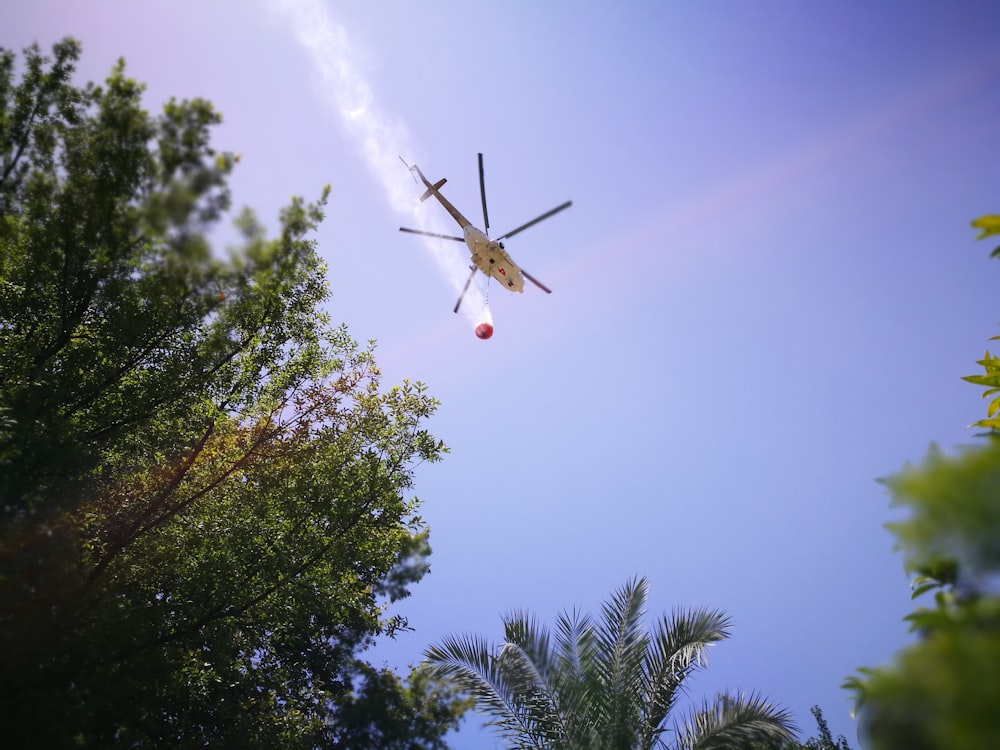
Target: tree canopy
944	690
824	740
204	487
606	684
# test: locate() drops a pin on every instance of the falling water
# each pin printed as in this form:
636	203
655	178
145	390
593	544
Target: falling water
381	137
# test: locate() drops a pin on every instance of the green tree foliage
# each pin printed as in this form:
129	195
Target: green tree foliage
203	484
944	691
823	741
605	684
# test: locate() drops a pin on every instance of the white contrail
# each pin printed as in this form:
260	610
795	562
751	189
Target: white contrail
382	137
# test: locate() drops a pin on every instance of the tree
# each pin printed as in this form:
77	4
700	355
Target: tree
389	715
823	741
203	484
607	684
944	690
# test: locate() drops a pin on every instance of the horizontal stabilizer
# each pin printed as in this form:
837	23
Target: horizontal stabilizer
432	190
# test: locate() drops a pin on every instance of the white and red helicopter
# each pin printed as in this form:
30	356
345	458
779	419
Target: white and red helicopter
488	255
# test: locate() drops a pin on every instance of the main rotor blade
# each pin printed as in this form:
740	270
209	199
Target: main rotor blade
532	223
465	288
482	192
432	234
536	282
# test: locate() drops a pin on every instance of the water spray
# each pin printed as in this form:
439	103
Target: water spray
381	137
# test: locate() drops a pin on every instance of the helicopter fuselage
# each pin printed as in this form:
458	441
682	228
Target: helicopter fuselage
490	257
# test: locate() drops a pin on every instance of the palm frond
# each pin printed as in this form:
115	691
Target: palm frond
575	650
622	644
470	664
604	684
677	647
534	697
574	678
734	722
686	634
523	629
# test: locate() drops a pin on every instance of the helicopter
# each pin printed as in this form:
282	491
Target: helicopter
488	255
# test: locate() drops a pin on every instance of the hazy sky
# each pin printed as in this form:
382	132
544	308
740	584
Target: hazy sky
764	295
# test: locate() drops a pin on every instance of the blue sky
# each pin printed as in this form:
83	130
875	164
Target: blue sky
764	294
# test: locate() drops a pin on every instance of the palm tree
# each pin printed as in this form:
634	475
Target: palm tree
605	685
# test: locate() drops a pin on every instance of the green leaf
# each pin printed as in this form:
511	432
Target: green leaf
991	380
923	588
994	407
989	224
